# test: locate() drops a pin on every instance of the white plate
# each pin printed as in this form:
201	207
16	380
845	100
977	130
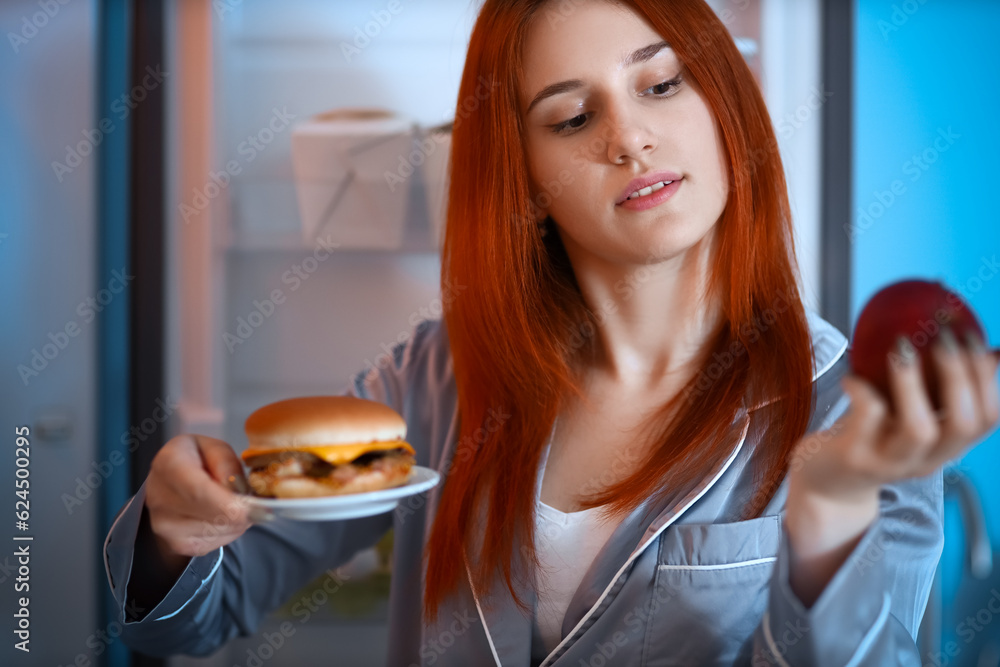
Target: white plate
350	506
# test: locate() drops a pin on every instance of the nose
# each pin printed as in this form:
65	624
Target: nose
627	136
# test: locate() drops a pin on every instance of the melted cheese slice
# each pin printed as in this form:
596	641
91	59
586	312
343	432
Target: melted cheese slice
336	454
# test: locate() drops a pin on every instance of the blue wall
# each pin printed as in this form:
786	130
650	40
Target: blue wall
926	143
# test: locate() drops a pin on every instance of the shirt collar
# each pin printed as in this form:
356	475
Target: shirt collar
828	345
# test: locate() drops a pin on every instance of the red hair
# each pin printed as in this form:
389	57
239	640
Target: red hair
522	332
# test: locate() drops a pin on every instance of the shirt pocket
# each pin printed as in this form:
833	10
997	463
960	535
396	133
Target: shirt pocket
710	591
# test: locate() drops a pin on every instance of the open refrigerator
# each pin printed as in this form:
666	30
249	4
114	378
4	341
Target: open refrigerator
307	168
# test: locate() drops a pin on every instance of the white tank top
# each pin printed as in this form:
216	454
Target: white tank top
567	544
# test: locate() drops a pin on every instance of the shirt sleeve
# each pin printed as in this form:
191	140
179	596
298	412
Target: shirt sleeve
230	591
870	611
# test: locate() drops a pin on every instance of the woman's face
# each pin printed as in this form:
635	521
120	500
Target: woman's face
605	102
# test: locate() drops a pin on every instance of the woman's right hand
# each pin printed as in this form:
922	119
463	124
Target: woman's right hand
192	509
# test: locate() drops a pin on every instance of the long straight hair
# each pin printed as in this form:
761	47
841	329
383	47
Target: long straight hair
521	331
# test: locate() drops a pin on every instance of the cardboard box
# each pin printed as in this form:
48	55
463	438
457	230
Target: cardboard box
351	178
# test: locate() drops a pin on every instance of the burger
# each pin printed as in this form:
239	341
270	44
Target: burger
317	446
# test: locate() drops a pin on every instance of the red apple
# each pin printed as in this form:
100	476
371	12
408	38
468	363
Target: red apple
916	309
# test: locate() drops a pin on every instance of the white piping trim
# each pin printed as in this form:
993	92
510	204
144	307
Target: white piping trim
637	552
107	569
482	618
829	365
863	647
128	576
720	566
218	562
869	638
770	640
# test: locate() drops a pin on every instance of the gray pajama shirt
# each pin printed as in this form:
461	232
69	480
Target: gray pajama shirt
689	584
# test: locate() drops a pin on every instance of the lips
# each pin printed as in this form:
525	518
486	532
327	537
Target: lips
646	185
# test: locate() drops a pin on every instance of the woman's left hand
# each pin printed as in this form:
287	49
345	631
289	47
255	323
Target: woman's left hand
835	475
870	446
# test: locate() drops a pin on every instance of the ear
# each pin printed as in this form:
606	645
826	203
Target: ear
546	225
538	212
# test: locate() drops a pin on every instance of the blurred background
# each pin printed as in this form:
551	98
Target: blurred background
187	234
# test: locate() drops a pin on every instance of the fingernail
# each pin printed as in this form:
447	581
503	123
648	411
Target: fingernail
260	515
974	342
906	351
948	340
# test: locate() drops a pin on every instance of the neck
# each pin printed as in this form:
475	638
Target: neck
656	316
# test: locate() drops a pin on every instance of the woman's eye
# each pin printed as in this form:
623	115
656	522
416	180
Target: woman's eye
661	89
573	123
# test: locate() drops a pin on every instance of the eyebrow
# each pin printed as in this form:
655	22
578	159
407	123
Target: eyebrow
638	56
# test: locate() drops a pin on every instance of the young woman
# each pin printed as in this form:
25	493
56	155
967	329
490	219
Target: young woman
647	452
